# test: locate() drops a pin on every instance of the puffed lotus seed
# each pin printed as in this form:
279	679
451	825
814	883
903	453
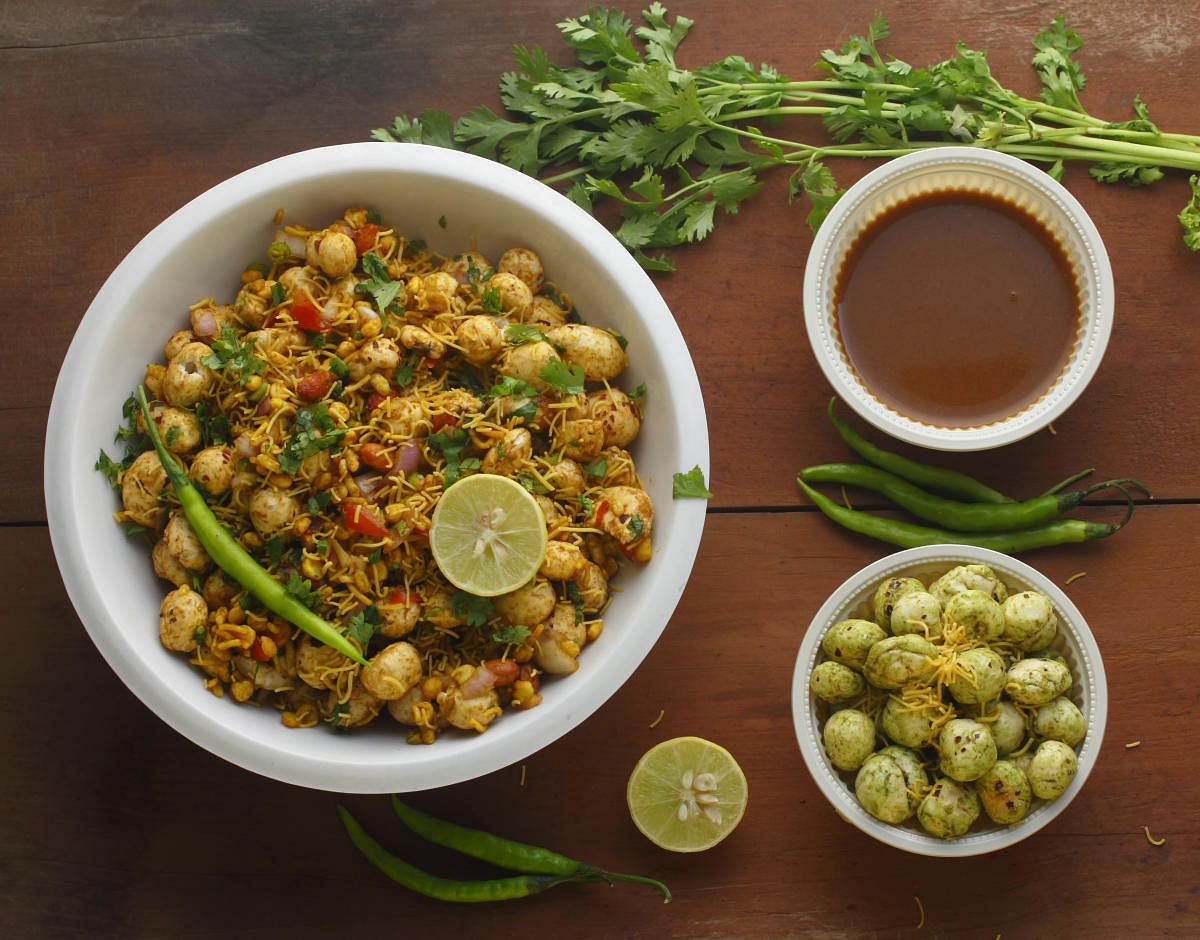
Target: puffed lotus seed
1037	681
1005	793
849	737
895	660
969	578
949	809
1060	720
918	612
967	749
1010	727
982	677
833	682
1052	769
977	613
908	726
887	788
849	641
888	593
1027	617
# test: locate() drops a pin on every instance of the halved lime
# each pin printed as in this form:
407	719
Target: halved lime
687	794
488	534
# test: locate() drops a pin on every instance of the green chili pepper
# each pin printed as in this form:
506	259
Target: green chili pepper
448	889
233	559
940	479
506	853
907	535
951	514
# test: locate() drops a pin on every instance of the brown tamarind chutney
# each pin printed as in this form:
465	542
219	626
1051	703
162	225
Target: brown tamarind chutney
957	308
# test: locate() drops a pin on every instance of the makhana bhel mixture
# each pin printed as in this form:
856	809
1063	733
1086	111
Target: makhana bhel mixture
354	378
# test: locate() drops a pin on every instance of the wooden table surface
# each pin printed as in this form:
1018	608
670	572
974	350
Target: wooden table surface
113	114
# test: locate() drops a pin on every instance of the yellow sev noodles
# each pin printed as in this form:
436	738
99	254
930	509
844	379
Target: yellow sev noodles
384	468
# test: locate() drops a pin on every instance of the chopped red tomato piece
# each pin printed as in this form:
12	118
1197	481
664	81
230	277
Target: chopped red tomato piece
364	238
365	519
441	419
307	315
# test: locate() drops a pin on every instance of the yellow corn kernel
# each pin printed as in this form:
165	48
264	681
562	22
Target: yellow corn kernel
379	570
379	381
339	411
385	245
393	513
253	383
361	582
281	480
350	437
642	550
311	567
350	461
371	327
266	463
300	526
252	540
356	217
250	275
594	629
242	690
268	646
431	687
236	614
345	348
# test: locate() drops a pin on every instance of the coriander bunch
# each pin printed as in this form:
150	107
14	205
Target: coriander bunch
672	146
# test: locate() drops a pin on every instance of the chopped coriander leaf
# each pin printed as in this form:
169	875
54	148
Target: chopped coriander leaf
314	431
273	550
373	216
638	393
533	484
575	596
476	610
234	355
322	546
450	443
588	504
383	290
620	338
465	378
414	245
338	367
364	625
510	635
509	387
318	501
567	379
109	467
278	294
132	530
404	372
525	412
302	589
172	435
597	468
635	526
214	426
518	333
690	485
475	277
491	301
442	221
337	713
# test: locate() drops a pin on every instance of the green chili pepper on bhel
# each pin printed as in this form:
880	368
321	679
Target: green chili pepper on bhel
232	558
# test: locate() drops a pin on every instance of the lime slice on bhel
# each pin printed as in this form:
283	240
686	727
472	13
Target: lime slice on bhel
687	794
487	535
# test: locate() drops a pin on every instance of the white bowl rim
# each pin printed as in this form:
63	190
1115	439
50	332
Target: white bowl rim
808	735
1032	419
412	768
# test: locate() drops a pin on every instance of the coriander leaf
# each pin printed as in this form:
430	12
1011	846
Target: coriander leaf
273	549
517	334
1189	216
214	426
110	468
383	290
491	301
404	372
638	393
817	183
476	610
690	485
302	590
597	468
635	526
512	387
364	625
451	444
575	596
1060	74
509	635
568	379
314	431
234	355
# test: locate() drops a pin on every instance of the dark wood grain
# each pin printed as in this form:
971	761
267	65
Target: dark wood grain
113	115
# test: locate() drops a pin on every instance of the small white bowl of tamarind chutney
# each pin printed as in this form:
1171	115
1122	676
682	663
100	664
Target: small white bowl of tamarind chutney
958	298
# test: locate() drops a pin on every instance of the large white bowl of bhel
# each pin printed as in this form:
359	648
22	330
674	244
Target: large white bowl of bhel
316	298
949	700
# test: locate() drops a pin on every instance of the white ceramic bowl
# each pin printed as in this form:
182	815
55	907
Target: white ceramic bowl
1074	641
447	198
960	168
